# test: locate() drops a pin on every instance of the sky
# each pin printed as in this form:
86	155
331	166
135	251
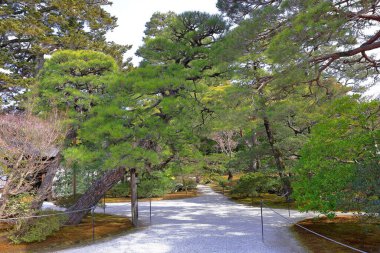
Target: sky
133	14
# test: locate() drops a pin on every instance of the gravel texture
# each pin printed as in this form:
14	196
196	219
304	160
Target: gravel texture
208	223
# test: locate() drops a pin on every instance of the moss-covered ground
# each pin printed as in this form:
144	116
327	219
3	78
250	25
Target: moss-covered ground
357	232
105	226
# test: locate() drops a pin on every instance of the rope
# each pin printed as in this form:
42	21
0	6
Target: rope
313	232
47	215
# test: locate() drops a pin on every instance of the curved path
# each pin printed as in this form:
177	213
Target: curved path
208	223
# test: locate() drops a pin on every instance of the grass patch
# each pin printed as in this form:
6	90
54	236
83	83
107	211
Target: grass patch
105	226
169	196
351	230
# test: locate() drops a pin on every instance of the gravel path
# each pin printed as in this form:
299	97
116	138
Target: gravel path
208	223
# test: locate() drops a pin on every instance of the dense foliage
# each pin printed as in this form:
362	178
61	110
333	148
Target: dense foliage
268	89
339	168
30	30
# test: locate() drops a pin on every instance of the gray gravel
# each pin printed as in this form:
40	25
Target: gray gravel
208	223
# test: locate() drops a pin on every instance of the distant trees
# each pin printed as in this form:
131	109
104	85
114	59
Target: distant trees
286	53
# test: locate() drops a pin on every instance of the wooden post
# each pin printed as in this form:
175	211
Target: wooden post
104	203
262	221
133	196
74	182
93	224
150	209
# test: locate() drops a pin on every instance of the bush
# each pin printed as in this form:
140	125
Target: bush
36	230
254	183
189	184
119	190
19	205
155	185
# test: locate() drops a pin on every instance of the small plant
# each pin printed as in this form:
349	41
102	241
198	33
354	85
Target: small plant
223	183
189	184
19	205
119	190
37	229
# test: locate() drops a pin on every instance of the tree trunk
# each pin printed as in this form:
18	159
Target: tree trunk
93	195
278	158
256	159
230	176
45	189
74	182
133	197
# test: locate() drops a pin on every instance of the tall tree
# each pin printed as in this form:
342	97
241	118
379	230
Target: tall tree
29	30
74	82
149	116
280	47
300	38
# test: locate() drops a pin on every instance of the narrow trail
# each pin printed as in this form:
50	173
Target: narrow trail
208	223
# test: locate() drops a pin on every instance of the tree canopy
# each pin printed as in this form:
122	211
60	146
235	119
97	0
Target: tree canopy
30	30
270	89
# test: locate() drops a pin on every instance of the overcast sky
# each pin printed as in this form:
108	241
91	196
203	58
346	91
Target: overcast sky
133	14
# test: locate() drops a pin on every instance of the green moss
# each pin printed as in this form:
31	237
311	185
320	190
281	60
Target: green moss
358	233
105	226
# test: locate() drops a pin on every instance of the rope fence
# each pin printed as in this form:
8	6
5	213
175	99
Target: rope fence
300	226
47	215
121	207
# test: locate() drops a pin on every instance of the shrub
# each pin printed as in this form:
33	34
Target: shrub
189	184
119	190
36	230
155	185
254	183
222	182
19	205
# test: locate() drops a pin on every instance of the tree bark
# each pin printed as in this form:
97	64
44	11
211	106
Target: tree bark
278	158
230	176
93	195
133	197
256	159
45	189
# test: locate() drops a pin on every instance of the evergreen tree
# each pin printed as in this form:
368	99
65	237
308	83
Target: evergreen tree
339	165
29	30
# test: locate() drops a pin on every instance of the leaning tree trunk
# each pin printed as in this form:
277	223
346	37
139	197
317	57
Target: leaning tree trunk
93	195
47	184
278	158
